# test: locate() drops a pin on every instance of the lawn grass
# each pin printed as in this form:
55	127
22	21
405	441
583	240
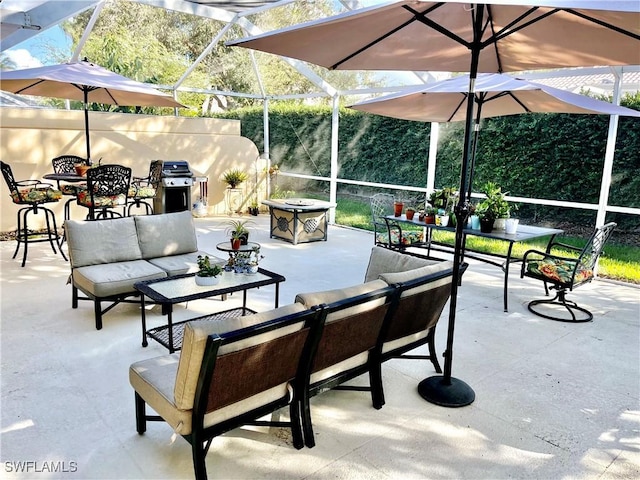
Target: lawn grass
619	262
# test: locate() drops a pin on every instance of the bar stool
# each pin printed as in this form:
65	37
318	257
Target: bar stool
33	194
107	189
66	164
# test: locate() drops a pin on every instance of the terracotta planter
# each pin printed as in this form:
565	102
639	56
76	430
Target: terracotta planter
397	209
430	219
410	213
235	243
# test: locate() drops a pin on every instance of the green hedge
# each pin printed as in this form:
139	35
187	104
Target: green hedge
550	156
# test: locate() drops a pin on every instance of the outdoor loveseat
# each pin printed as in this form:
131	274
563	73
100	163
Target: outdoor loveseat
232	372
109	256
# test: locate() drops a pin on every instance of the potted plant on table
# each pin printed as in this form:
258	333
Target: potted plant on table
238	232
253	261
430	215
491	208
207	274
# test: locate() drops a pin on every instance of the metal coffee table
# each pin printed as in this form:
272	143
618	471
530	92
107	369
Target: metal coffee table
183	288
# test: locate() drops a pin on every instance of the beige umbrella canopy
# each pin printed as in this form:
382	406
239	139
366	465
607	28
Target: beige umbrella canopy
458	36
86	82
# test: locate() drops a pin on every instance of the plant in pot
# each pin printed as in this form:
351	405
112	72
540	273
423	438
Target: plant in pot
207	274
238	232
253	261
493	207
430	215
410	212
234	177
253	207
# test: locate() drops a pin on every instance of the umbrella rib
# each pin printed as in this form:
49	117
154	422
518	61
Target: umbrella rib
517	100
29	86
462	102
603	24
420	16
372	43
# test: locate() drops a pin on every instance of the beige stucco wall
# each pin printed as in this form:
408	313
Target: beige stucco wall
30	138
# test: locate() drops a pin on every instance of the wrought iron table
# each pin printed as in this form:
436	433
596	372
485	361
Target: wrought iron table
182	288
523	233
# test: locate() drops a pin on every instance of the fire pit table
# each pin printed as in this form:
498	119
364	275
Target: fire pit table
299	220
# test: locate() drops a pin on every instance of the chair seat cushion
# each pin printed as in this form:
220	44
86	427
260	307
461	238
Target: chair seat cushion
183	263
115	278
36	195
408	238
138	191
84	199
72	189
559	271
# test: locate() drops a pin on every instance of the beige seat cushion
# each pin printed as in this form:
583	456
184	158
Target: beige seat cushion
114	278
183	263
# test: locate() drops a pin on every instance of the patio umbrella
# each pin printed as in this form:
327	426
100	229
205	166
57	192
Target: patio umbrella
86	82
458	36
495	95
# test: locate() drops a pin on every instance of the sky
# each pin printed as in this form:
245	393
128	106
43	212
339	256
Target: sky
35	51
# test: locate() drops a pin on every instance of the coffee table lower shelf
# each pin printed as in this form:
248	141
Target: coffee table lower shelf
161	334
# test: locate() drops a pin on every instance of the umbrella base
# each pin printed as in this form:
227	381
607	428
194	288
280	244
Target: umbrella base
455	393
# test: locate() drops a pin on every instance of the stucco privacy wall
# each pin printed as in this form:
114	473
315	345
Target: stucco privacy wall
30	138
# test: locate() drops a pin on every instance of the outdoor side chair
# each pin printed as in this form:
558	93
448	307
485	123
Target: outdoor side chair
143	189
33	194
388	233
67	164
107	189
563	274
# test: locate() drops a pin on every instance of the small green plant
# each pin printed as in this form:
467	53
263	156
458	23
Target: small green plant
234	177
238	228
205	269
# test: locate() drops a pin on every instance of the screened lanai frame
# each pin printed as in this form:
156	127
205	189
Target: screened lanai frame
22	19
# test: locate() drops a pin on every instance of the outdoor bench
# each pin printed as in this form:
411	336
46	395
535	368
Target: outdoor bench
202	392
109	256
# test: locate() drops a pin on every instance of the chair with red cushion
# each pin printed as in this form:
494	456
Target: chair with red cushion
564	274
33	194
107	189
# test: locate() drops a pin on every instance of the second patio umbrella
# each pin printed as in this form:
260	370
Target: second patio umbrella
461	36
86	82
495	95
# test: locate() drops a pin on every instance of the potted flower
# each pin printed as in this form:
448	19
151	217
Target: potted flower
253	261
207	274
410	212
238	232
234	177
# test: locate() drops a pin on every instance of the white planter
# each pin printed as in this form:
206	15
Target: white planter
499	224
511	226
252	269
207	281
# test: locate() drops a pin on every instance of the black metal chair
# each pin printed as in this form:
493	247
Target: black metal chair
107	189
388	233
67	164
143	189
564	274
33	194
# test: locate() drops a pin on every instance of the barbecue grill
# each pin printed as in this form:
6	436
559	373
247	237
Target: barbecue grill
174	190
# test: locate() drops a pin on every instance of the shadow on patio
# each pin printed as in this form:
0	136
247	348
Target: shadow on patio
553	400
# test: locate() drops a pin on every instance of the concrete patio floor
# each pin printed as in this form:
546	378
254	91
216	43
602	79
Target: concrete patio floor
553	400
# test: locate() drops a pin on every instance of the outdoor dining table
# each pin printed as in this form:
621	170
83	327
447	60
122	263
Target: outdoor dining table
523	233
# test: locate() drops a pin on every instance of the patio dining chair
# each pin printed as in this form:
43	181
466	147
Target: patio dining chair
388	233
563	274
107	190
67	164
32	195
143	189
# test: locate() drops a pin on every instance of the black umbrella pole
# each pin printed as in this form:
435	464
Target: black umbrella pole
444	390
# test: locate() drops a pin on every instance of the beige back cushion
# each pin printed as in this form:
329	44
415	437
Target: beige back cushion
166	234
330	296
383	260
102	241
402	277
195	339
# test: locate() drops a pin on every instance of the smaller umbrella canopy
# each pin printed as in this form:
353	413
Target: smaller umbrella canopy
86	82
495	95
